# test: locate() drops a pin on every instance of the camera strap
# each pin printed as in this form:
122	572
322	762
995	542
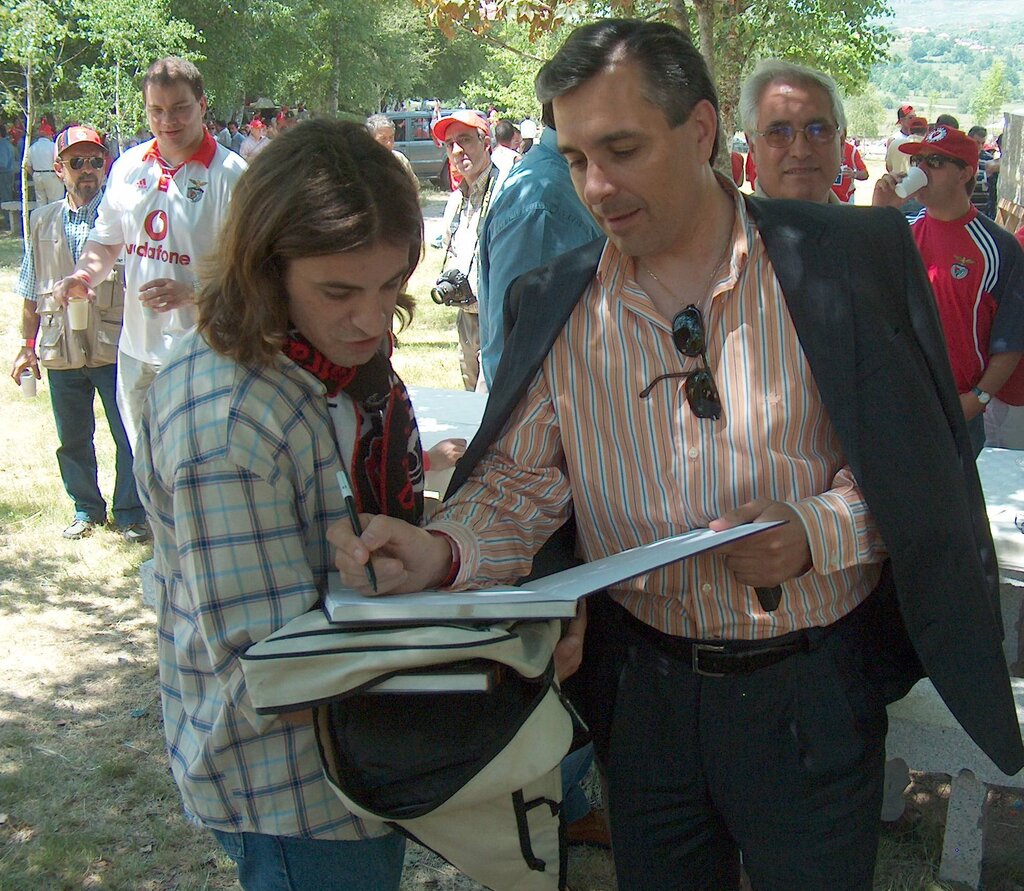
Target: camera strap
492	179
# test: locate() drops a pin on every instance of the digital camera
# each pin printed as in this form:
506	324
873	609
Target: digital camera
452	288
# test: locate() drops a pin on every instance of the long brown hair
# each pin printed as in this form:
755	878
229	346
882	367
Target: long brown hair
322	187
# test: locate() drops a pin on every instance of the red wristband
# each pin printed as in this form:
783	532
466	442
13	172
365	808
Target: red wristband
85	277
453	571
30	343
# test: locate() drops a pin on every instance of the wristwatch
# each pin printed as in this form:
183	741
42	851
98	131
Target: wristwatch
983	397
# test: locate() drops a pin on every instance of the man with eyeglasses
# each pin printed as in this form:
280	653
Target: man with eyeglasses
163	206
976	270
794	123
465	137
718	360
79	364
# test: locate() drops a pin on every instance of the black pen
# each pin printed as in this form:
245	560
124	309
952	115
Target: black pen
357	528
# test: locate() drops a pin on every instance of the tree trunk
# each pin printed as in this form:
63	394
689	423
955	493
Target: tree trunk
334	91
682	17
706	15
29	117
119	128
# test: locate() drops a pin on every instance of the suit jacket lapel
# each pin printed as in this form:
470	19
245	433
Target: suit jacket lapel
815	280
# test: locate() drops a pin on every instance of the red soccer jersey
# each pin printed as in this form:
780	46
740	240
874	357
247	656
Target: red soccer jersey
971	278
844	185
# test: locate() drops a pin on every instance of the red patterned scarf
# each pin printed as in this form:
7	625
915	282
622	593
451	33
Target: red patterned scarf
387	466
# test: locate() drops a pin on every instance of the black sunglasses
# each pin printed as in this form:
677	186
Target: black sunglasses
934	161
79	163
782	135
701	392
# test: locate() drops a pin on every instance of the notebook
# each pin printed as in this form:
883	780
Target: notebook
552	597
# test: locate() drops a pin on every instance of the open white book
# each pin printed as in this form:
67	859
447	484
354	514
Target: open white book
552	597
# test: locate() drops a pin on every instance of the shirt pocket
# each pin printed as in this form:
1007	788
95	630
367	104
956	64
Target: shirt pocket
110	315
52	340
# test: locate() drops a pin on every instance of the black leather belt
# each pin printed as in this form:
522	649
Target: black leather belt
721	658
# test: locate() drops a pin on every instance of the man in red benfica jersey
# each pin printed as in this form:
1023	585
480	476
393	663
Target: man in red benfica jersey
975	267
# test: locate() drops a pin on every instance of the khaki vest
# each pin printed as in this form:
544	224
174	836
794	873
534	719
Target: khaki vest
58	347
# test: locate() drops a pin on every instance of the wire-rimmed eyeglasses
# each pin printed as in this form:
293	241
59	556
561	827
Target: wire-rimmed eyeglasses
782	135
701	392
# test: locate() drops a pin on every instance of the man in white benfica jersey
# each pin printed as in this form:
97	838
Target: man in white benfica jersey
165	202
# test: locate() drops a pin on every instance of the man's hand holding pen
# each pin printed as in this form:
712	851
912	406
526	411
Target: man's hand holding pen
772	557
404	557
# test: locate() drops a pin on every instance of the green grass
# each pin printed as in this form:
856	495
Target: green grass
428	351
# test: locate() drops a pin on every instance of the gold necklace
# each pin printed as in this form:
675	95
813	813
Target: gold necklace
707	284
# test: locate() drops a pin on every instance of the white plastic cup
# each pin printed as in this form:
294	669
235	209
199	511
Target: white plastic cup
914	180
78	314
28	384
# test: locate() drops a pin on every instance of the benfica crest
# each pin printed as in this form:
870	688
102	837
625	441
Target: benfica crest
961	267
195	189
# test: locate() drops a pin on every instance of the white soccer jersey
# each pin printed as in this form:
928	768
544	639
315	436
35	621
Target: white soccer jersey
167	218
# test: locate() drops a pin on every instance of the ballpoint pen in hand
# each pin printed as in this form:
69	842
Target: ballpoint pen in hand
353	515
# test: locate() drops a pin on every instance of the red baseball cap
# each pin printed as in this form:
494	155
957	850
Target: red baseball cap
945	141
903	111
462	116
73	136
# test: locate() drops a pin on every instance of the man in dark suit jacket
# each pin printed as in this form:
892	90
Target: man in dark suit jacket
718	361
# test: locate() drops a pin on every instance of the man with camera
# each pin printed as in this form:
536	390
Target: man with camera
464	135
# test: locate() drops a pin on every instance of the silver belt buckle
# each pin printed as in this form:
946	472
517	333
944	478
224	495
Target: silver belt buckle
699	648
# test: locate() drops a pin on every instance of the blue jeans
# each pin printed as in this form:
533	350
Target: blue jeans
72	394
575	765
284	863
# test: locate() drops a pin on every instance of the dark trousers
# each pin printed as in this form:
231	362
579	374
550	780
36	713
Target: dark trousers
784	764
72	394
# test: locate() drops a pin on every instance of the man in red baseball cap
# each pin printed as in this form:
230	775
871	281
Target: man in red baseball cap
465	136
912	129
948	142
976	269
79	363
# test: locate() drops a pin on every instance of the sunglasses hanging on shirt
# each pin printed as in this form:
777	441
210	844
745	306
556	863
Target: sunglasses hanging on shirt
700	389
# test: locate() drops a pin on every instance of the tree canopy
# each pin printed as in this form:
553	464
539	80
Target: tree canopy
84	58
842	37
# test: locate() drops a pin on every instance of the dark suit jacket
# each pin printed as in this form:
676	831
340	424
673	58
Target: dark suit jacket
866	319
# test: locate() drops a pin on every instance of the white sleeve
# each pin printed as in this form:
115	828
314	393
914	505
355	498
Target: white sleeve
108	228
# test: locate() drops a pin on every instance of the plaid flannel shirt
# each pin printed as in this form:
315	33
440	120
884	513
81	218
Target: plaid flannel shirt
236	467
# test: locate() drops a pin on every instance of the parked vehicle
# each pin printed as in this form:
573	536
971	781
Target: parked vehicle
413	139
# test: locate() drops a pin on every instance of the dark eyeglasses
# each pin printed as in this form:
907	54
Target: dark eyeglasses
79	163
701	392
782	135
934	162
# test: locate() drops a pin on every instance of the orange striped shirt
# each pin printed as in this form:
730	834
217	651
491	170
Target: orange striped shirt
636	470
